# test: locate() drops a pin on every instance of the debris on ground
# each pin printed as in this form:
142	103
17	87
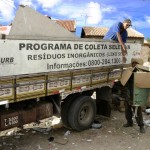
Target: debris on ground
67	133
61	141
147	122
147	111
96	124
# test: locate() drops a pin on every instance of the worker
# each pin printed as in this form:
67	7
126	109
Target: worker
128	95
118	33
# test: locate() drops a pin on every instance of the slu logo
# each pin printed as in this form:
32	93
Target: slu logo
6	60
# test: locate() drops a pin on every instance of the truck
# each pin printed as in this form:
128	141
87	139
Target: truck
46	70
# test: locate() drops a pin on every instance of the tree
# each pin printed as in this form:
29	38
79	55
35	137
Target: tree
148	40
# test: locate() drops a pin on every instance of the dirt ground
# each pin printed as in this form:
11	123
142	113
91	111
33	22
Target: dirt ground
111	136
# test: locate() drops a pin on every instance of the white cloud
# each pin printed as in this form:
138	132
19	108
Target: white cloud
94	14
6	10
26	2
66	10
147	19
108	9
138	24
49	3
29	3
85	14
107	22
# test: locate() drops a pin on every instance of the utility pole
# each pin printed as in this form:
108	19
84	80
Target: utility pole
85	18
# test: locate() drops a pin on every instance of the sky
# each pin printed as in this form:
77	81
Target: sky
95	13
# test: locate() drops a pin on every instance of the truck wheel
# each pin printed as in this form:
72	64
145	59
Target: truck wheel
82	113
65	106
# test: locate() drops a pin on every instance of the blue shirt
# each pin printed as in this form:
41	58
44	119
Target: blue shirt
114	29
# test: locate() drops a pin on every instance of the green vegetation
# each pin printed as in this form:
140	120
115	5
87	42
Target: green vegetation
148	40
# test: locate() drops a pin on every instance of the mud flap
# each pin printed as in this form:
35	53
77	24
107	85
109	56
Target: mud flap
103	108
103	101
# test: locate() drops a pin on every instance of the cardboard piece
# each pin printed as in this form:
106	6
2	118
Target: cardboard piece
141	85
126	75
142	79
141	88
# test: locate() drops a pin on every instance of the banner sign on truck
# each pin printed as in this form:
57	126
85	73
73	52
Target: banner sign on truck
30	56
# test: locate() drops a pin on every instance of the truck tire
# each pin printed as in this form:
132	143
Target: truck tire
82	113
65	109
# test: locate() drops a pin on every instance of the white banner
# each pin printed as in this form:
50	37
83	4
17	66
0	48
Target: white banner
30	56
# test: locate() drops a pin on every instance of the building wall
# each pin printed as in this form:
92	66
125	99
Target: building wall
136	40
132	40
145	53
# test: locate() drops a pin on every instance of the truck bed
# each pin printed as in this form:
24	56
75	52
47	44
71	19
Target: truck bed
24	87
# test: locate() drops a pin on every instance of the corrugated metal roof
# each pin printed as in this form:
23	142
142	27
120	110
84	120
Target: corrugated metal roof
95	31
101	31
134	33
67	24
146	42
